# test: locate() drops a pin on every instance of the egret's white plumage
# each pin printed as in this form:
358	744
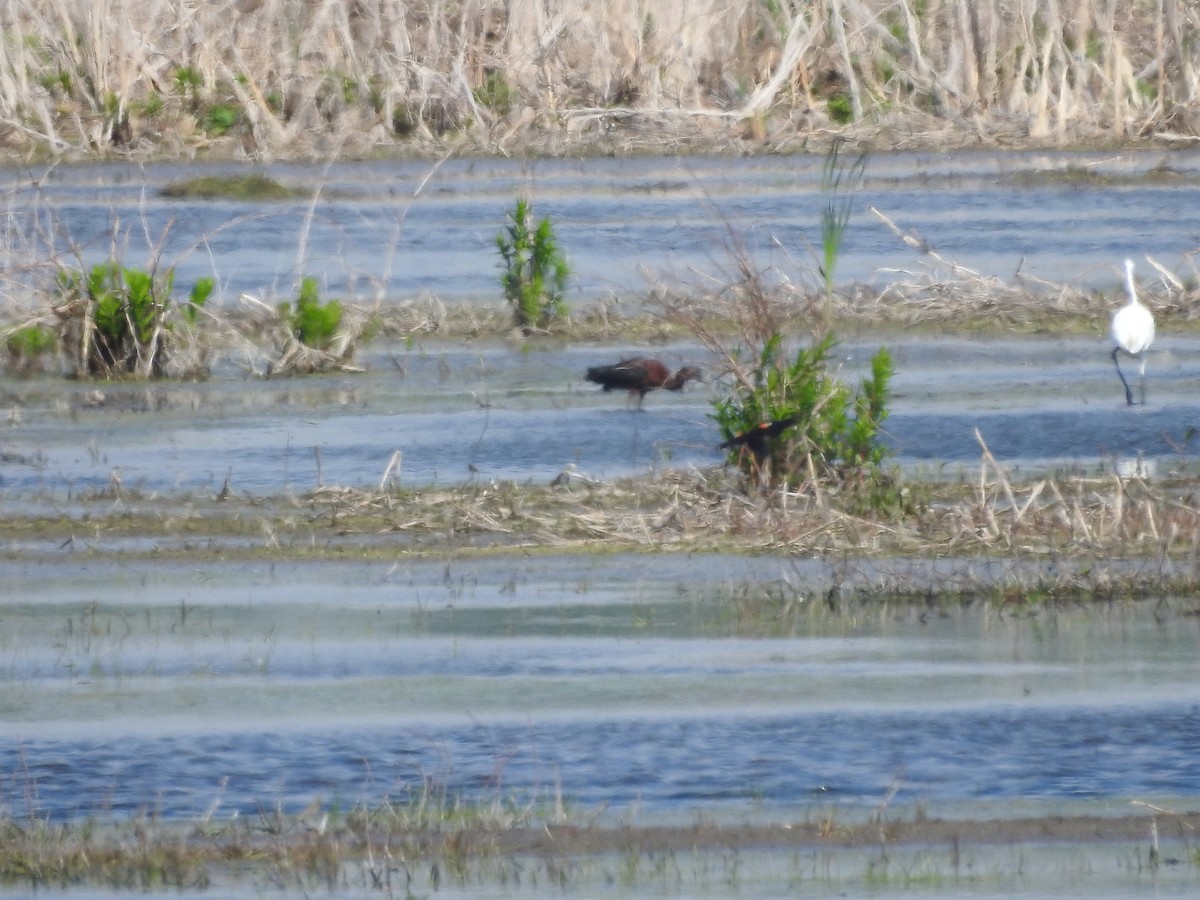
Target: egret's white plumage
1132	332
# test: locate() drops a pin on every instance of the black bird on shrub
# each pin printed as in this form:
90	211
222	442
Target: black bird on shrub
640	376
758	438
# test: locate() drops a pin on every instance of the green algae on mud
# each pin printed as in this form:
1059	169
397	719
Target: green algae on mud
253	186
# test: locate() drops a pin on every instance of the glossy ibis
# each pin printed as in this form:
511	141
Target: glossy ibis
757	439
1133	333
640	376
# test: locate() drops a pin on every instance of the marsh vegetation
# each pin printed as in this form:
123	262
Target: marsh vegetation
326	81
281	79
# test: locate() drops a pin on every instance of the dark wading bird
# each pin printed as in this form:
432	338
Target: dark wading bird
1133	333
640	376
758	438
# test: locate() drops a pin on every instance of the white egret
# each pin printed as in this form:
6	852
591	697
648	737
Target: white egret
1133	333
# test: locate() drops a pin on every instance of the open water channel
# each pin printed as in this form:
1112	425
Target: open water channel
638	689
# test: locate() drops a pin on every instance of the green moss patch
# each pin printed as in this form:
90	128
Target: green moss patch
254	186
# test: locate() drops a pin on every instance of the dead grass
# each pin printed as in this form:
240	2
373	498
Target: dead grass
932	295
1067	537
1104	517
251	335
397	855
274	78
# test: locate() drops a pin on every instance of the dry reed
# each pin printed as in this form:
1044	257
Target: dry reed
285	78
1103	517
385	853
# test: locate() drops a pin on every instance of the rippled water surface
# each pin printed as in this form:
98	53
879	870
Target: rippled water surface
459	414
664	685
397	229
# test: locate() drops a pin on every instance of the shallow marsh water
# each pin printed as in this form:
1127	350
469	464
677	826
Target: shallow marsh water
659	685
460	414
399	229
395	230
638	689
635	689
984	873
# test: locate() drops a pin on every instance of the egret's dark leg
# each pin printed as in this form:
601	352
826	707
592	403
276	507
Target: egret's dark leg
1143	377
1128	392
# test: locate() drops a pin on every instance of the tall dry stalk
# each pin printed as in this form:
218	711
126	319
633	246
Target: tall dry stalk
288	77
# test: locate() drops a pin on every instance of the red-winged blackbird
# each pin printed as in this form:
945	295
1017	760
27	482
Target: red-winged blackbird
640	376
756	439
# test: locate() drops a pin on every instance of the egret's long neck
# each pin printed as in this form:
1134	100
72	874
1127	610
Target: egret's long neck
1129	285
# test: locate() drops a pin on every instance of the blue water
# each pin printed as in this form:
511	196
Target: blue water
496	414
394	230
616	684
681	763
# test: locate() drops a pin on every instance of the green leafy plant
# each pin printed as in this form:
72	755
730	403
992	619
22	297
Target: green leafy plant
126	312
189	85
58	83
496	93
201	292
27	347
840	109
405	121
789	418
220	117
312	322
151	105
115	320
316	336
535	270
188	80
820	428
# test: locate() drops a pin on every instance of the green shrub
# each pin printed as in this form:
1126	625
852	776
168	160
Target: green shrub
405	121
831	435
126	311
114	320
58	83
220	117
201	292
188	84
312	322
804	422
535	270
840	109
188	80
151	106
27	347
496	94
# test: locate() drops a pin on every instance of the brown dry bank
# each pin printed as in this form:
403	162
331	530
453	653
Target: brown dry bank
1018	545
285	78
